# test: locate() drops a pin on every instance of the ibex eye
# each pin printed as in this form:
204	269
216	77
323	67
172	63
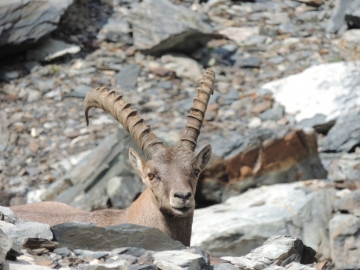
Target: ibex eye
197	172
151	176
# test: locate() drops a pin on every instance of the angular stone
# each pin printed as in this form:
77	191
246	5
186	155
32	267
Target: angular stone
337	21
23	231
239	34
50	49
344	136
183	66
23	23
81	91
127	76
159	25
178	259
249	62
90	237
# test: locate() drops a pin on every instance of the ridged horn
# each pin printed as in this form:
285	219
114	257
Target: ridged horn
128	117
196	116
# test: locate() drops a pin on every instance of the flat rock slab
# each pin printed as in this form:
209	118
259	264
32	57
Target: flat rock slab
159	25
50	49
329	89
24	22
91	237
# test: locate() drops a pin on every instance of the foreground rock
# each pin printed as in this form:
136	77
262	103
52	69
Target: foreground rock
245	221
127	246
284	250
284	159
30	20
86	236
159	25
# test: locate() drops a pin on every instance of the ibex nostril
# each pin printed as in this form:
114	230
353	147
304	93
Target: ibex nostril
182	195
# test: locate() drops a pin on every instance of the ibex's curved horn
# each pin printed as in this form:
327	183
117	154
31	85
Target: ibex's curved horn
127	116
196	116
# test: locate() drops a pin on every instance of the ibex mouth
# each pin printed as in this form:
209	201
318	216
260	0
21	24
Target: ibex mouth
181	211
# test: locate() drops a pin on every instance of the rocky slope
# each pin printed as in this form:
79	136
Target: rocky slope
285	109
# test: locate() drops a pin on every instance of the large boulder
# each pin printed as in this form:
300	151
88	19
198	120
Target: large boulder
246	221
327	89
24	22
159	25
243	162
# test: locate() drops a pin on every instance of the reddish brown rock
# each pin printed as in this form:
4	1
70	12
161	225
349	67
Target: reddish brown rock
288	159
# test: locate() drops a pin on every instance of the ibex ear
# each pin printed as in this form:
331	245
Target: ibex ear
204	156
137	162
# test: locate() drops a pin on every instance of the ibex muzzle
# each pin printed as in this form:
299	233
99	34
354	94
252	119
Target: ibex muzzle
170	174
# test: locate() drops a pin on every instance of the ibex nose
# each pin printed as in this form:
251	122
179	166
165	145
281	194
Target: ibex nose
182	196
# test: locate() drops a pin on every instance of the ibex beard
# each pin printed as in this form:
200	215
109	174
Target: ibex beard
170	174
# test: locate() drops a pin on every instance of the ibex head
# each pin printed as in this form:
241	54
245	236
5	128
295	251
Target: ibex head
170	174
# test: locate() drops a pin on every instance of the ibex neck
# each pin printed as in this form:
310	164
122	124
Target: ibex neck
144	211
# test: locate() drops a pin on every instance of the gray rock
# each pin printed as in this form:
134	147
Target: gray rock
337	20
274	113
298	266
86	236
4	132
178	259
183	66
64	251
279	249
23	231
345	168
50	49
348	45
6	244
345	241
225	266
23	23
159	25
318	123
80	91
123	190
349	204
7	215
116	30
344	136
239	34
121	265
249	62
245	221
127	76
338	82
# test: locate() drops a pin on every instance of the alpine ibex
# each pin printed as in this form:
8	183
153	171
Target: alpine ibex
170	174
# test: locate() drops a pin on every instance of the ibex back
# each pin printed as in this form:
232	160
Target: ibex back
170	174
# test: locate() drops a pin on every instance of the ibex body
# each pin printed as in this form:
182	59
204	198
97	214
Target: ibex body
170	174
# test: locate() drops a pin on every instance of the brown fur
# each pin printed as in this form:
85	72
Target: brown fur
174	171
